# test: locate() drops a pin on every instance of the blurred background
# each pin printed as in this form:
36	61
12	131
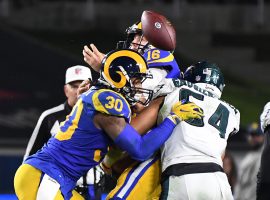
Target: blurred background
39	39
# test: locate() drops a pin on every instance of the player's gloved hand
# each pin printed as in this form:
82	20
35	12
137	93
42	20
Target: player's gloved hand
106	169
94	175
182	111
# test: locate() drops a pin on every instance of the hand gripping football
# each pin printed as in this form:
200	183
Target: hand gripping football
158	30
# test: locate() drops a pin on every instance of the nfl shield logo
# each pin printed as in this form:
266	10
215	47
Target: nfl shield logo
78	71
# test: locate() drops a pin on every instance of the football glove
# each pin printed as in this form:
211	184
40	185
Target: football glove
182	111
113	155
106	169
93	176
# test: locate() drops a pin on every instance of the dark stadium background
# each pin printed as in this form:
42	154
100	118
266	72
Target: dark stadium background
39	39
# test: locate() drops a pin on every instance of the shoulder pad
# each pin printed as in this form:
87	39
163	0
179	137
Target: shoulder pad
157	58
111	103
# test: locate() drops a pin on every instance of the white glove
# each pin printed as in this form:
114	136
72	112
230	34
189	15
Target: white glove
90	177
265	116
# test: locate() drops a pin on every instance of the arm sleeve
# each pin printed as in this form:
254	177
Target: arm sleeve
142	147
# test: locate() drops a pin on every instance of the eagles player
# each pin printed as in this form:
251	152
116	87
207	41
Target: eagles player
192	157
100	117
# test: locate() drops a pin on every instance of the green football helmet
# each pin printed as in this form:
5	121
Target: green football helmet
206	75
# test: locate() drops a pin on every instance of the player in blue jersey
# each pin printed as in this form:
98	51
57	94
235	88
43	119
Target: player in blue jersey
146	181
100	118
156	58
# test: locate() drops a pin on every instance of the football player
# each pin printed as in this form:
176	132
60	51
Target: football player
192	157
146	181
100	117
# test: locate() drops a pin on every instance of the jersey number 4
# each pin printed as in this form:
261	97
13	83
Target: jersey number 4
219	119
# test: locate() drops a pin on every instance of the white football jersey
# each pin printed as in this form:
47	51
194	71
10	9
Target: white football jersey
265	116
198	140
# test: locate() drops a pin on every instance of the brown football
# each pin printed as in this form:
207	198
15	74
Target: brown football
158	30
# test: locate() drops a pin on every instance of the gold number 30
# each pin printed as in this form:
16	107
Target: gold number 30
117	104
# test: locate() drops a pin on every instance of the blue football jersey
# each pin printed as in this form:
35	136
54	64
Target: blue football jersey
157	58
79	145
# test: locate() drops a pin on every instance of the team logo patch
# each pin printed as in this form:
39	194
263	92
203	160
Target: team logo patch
158	25
78	71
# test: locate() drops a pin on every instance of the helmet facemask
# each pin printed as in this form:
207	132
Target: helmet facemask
133	93
132	32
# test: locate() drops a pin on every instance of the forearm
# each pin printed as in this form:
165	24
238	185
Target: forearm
142	147
146	120
114	154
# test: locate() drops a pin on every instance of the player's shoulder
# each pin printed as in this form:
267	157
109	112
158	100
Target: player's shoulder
108	102
230	106
154	56
267	106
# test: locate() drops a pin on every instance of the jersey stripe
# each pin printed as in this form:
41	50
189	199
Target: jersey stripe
133	177
67	134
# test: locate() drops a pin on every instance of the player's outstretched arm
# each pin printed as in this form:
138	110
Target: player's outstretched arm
128	139
93	57
147	119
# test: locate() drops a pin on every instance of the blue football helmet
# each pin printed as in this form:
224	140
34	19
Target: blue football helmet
131	32
118	71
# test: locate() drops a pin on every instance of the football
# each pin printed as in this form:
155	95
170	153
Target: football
158	30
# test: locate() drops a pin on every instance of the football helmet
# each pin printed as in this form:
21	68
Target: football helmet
131	32
119	70
207	76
